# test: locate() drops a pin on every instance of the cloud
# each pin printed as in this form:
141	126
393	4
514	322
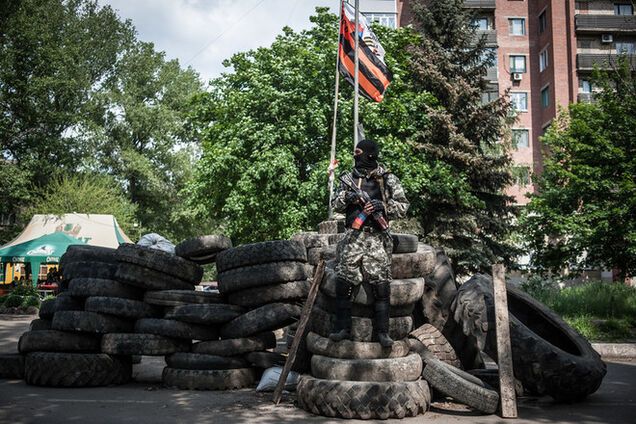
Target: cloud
203	33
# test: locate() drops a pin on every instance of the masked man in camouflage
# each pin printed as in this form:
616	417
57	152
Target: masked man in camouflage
368	249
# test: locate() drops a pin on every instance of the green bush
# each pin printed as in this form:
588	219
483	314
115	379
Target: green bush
48	297
601	330
13	301
3	299
25	290
31	301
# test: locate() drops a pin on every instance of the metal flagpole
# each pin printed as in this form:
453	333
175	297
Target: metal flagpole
355	78
332	158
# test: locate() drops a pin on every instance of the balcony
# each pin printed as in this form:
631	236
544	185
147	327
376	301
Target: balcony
605	23
491	36
480	4
586	98
492	73
586	62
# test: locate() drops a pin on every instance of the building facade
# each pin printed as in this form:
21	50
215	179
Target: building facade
546	51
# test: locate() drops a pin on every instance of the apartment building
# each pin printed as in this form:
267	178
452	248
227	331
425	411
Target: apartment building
546	51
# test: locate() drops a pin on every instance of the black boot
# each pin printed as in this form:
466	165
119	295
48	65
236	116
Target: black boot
382	293
342	326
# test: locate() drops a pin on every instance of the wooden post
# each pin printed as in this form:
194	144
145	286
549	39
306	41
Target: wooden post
504	350
304	318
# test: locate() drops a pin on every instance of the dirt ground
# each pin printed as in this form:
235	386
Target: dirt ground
146	401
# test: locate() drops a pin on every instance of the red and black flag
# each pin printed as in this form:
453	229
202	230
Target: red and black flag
374	76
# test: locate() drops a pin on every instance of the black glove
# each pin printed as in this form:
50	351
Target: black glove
378	205
351	197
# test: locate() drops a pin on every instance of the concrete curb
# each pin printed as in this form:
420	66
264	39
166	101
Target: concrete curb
615	350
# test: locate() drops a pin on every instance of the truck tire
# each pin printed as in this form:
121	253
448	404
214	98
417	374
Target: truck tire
149	279
90	322
235	347
89	287
142	344
119	307
259	296
261	253
262	275
348	349
265	318
363	399
176	329
203	249
202	361
229	379
160	261
437	344
362	328
57	341
181	297
56	369
214	313
406	368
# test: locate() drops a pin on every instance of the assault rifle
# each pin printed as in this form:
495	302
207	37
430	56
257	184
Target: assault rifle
363	198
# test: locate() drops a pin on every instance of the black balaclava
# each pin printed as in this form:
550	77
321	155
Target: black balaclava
368	159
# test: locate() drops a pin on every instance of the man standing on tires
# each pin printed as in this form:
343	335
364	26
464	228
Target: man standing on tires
367	244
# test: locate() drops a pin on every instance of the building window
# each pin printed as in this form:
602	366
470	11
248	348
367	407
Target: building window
517	63
625	47
517	26
623	9
585	86
482	23
521	175
584	43
386	19
489	97
543	22
519	101
520	138
545	97
543	60
581	6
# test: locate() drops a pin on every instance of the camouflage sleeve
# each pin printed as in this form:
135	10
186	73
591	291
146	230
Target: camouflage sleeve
397	204
338	202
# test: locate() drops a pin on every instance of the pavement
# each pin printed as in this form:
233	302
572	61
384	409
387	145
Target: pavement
145	401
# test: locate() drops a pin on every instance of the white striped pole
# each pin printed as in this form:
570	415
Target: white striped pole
355	80
332	157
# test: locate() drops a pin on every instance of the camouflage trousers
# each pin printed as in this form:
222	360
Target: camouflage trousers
364	256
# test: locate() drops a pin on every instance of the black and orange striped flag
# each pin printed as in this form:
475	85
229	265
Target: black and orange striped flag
374	76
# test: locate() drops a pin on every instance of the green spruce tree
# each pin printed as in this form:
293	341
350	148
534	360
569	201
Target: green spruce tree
469	214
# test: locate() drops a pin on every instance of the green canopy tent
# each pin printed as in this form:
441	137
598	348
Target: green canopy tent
47	249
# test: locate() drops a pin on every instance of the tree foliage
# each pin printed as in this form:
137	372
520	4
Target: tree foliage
79	92
265	127
466	209
266	131
83	193
584	213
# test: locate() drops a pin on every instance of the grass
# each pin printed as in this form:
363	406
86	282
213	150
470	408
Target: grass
599	311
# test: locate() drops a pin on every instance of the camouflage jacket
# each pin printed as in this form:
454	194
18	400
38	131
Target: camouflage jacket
396	203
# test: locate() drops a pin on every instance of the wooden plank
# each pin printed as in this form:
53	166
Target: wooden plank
504	350
304	318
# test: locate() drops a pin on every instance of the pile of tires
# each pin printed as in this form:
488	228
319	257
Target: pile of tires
549	357
63	346
270	281
363	380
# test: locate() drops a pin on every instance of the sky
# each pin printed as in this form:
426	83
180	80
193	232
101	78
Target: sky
203	33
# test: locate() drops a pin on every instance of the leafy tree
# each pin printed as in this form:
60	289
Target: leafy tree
465	208
141	138
83	193
583	215
54	54
266	130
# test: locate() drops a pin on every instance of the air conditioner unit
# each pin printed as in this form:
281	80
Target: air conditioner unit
517	76
607	38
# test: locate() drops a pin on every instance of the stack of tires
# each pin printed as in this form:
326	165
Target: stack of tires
269	280
315	244
362	379
154	272
63	347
